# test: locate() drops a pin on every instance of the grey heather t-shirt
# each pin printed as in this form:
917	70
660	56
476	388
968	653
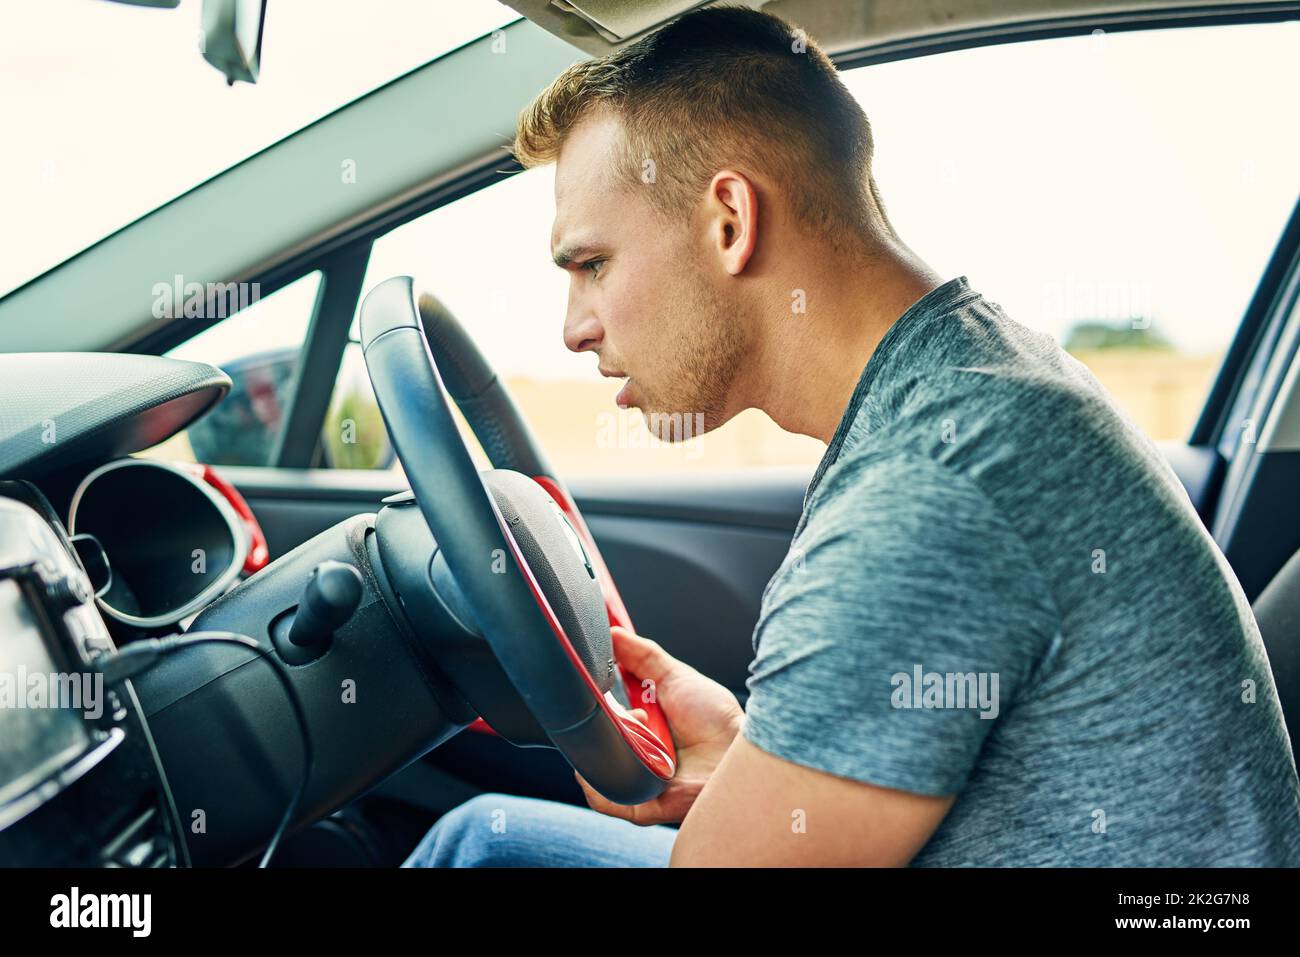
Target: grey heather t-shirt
998	589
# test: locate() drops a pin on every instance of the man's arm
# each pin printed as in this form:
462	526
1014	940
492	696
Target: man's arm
846	755
744	807
762	811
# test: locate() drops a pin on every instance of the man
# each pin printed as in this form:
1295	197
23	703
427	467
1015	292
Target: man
1002	636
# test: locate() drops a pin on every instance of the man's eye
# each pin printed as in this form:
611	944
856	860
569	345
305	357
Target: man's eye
593	266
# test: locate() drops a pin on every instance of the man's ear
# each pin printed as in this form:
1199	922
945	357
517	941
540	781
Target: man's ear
733	220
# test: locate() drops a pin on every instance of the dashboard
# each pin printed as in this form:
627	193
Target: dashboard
162	542
158	541
100	553
81	781
68	409
98	549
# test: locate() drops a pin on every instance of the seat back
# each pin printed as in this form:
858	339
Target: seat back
1277	610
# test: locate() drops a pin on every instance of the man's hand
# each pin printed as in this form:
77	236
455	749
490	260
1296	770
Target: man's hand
704	717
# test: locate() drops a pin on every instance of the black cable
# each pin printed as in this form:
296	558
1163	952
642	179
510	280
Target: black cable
140	656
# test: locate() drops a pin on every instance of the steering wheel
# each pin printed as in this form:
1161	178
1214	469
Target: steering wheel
546	612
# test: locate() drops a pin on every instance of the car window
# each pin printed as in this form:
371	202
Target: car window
109	72
1109	189
258	346
354	435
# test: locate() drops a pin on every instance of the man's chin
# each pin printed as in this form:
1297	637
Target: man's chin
661	418
673	427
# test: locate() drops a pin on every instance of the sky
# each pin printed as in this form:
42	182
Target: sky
1112	176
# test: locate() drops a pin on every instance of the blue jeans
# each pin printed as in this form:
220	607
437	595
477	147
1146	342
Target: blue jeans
499	830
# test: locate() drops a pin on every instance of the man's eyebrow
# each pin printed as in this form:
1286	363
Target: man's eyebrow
568	254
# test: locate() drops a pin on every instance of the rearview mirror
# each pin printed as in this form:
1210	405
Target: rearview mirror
232	37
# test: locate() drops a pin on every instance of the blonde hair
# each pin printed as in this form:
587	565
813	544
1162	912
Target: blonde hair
718	87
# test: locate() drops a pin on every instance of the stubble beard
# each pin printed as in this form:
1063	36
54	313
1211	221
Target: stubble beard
708	351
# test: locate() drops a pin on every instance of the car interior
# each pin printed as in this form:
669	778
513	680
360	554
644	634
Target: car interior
435	625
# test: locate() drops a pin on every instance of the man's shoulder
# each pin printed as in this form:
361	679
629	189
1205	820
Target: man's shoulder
974	372
886	521
876	483
994	405
979	432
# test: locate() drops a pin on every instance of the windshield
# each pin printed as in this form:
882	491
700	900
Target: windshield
110	110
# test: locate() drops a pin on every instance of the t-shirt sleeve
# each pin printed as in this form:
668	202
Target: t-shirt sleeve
903	623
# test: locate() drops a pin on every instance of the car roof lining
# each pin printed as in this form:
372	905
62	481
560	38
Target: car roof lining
598	27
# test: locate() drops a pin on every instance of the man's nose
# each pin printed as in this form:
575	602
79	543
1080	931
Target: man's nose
582	330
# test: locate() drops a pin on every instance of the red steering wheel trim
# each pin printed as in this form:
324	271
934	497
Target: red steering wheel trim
652	741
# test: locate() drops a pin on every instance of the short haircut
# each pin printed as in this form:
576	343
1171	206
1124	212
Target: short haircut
719	87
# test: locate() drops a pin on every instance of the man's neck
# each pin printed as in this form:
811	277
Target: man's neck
807	364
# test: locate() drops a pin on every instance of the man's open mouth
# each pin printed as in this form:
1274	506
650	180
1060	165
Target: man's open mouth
623	399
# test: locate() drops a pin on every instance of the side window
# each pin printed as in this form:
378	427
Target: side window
1108	190
354	435
259	348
